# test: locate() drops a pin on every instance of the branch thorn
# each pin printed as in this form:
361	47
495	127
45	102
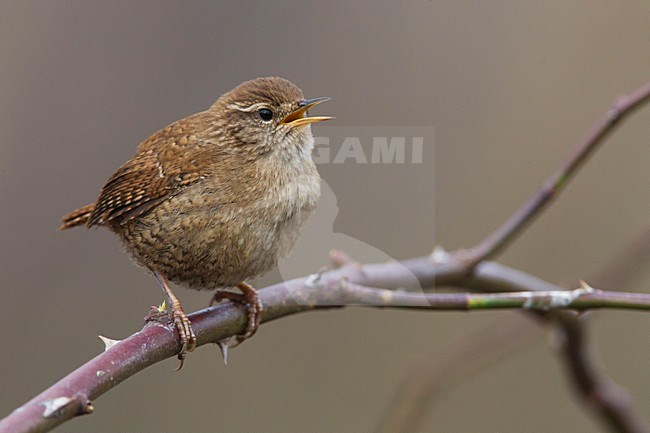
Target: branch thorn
108	342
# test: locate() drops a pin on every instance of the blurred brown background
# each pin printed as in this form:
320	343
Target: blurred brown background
508	86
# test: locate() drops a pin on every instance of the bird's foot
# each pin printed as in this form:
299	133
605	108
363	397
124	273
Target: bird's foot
185	332
181	322
249	298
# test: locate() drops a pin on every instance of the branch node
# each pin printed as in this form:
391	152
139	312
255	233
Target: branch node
440	255
613	115
546	301
586	288
53	407
340	258
88	408
314	281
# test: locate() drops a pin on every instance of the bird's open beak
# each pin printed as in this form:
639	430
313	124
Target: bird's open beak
297	117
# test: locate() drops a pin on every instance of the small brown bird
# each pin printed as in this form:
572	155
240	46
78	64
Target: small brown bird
217	197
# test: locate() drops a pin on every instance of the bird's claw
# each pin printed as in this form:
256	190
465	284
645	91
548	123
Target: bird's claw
250	299
185	333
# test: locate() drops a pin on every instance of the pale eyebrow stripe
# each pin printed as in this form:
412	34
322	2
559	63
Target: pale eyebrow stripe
248	109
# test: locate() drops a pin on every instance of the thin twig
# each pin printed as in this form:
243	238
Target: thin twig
604	397
625	266
583	298
435	373
506	233
431	375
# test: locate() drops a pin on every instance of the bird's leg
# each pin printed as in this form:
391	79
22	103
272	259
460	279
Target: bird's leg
182	323
251	300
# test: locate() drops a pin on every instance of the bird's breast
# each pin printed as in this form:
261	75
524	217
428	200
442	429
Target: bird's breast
208	238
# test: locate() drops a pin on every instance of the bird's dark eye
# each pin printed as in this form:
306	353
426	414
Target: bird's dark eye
265	114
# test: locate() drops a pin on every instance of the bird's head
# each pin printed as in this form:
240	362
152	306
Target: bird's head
267	115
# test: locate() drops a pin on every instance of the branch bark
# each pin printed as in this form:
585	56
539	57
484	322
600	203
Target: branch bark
346	286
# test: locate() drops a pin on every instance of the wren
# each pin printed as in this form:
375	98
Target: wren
216	198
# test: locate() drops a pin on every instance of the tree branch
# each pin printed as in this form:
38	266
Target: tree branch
604	397
555	183
436	372
73	395
608	408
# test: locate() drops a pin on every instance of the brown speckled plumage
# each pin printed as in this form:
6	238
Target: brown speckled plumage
219	196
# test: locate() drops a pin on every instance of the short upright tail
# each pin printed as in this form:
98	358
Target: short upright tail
77	217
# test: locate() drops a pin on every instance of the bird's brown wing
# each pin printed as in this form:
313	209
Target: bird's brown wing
168	161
